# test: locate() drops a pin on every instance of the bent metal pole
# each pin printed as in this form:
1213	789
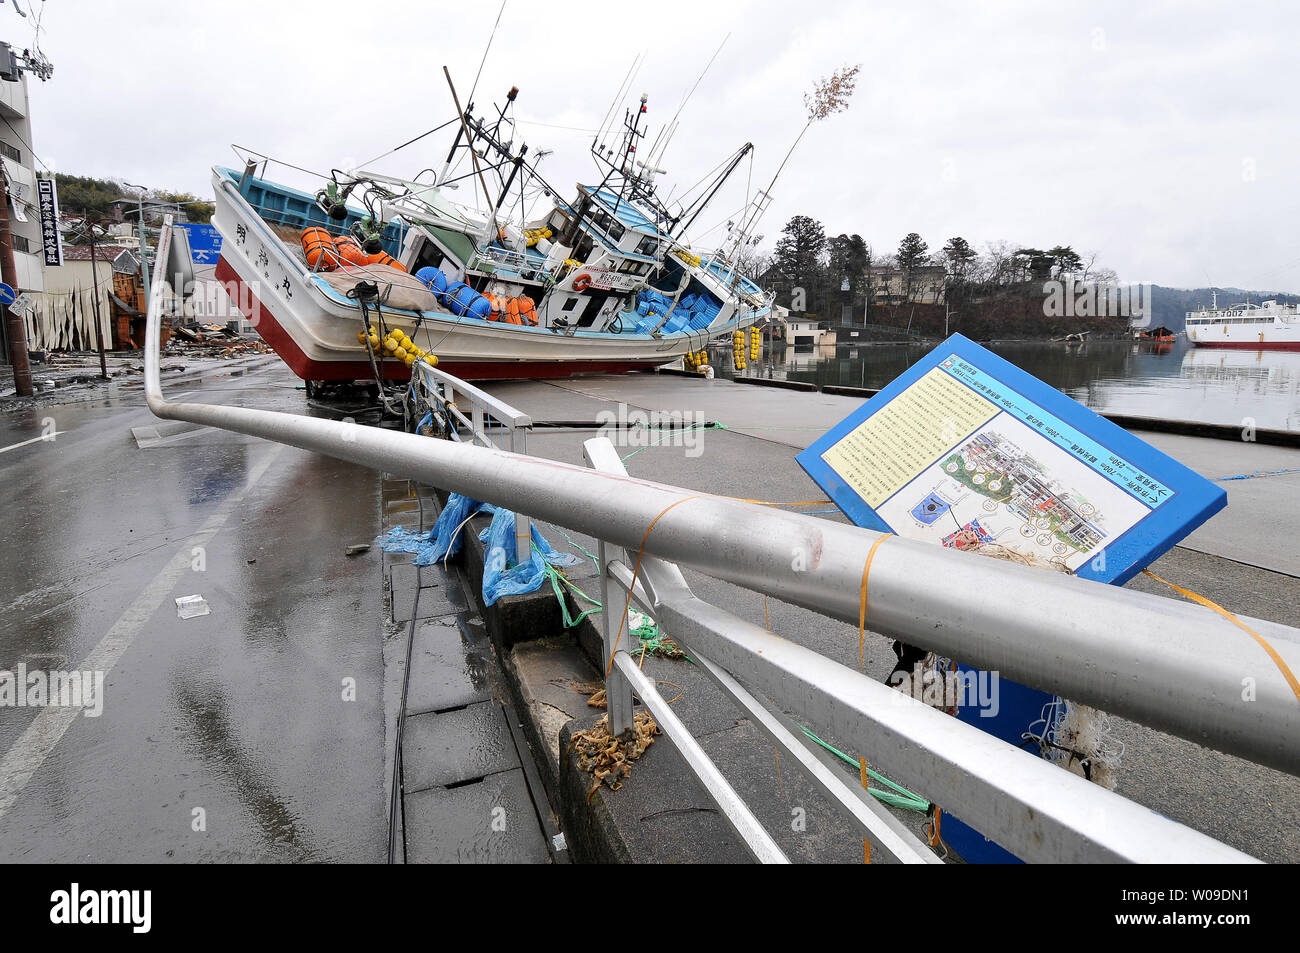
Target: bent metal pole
1171	665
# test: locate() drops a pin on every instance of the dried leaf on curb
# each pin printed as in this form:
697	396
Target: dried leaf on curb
608	759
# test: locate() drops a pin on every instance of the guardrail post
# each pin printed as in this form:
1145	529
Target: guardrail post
523	525
618	690
601	455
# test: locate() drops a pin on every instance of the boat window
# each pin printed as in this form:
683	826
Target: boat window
570	304
647	246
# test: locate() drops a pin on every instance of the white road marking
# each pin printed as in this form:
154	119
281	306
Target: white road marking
48	437
34	745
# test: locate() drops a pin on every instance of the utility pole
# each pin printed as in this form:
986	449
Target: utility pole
144	245
14	326
94	280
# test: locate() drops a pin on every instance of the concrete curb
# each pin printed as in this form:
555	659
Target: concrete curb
537	652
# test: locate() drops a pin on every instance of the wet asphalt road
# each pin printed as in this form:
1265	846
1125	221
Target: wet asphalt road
225	737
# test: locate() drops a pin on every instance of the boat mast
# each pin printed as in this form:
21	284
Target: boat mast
469	144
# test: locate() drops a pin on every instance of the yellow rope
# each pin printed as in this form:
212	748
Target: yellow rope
636	572
1272	652
862	599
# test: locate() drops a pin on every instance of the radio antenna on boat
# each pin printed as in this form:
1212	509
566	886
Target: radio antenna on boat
619	93
656	157
486	48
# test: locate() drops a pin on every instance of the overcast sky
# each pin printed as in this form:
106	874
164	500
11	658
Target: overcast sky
1160	135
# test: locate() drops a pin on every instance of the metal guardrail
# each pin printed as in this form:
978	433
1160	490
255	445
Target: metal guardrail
445	395
1174	666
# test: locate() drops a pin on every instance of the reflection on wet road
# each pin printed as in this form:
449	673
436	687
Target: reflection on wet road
230	736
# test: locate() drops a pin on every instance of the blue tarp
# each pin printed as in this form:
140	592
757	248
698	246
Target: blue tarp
502	573
443	539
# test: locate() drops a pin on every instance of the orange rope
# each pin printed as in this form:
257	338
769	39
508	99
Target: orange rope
862	599
935	840
1272	652
637	572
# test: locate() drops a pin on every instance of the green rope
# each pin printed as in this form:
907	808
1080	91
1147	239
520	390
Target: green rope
903	799
653	641
556	577
577	545
711	425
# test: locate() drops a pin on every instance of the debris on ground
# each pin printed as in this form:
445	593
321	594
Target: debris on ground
189	607
653	640
213	340
356	549
608	759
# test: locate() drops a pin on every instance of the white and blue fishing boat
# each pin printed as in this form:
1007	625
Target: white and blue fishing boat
518	284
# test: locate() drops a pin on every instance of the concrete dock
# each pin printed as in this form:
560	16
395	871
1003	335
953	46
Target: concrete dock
264	730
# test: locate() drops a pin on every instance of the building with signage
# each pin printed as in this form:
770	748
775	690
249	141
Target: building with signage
20	165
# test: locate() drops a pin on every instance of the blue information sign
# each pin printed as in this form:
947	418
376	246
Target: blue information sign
966	449
966	435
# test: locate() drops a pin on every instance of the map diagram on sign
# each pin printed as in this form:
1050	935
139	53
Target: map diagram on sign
995	487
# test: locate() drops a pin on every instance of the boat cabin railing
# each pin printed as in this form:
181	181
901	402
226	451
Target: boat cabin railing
516	261
1177	667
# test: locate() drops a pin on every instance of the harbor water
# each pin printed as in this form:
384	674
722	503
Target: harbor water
1170	381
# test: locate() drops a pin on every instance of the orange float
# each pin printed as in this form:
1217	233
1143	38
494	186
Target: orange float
350	251
383	258
322	254
522	310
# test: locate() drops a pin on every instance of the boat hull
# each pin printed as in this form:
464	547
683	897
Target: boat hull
1250	345
335	368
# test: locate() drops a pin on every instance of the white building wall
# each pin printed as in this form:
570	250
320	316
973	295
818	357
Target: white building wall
13	107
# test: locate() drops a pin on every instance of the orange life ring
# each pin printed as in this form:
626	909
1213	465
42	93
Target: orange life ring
582	282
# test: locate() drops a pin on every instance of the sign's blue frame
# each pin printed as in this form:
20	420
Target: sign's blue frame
1191	501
